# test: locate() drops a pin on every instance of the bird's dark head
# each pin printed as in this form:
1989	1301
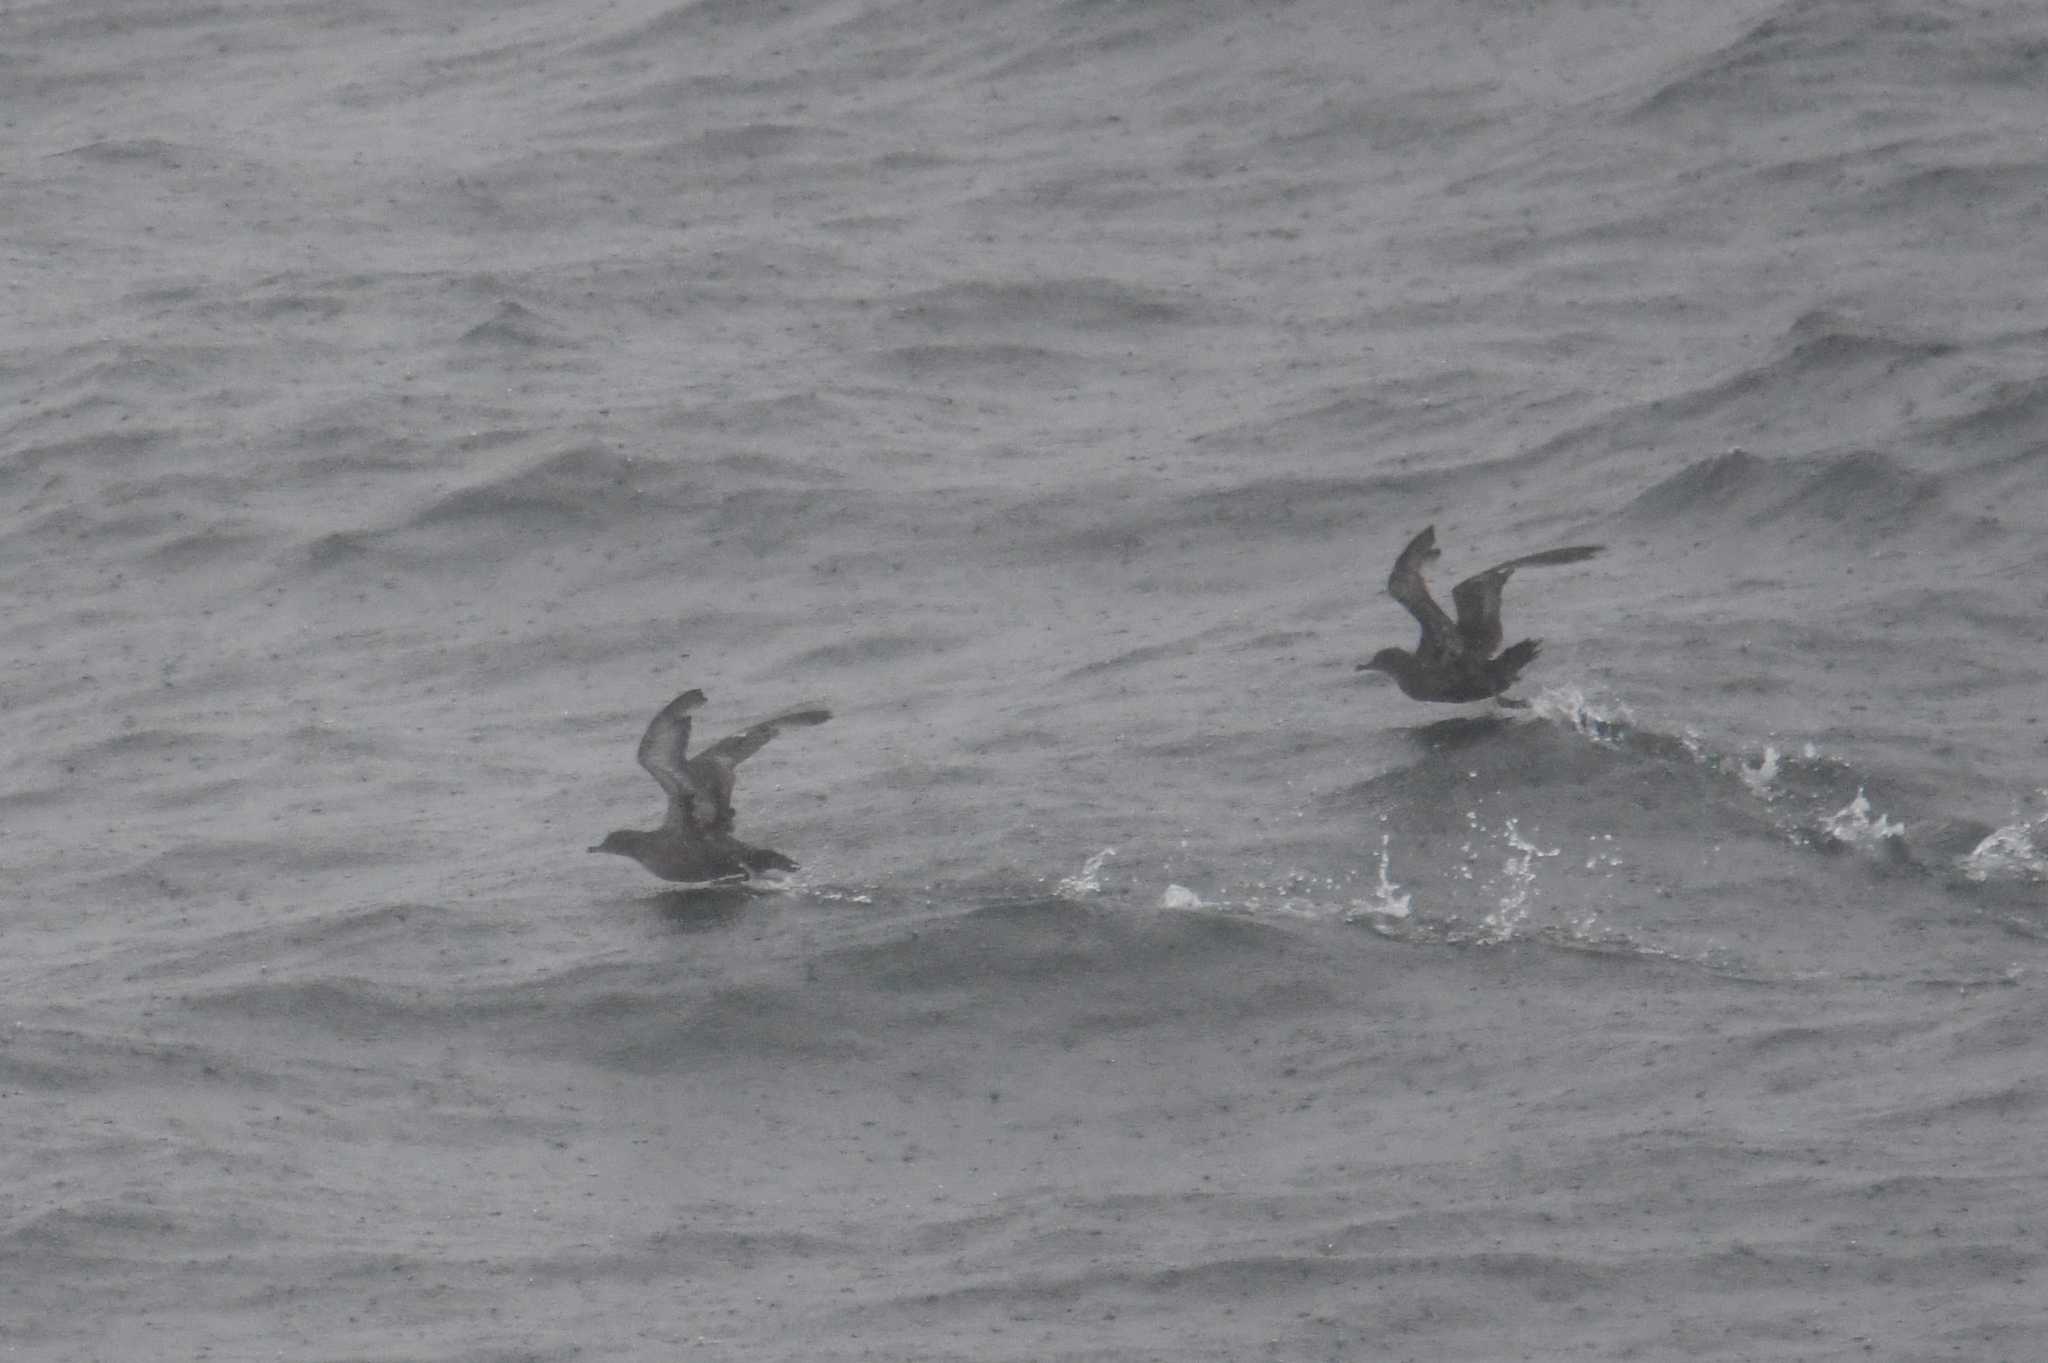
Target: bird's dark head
1391	661
624	841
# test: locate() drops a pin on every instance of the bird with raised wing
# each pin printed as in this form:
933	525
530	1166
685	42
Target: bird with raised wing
695	843
1460	660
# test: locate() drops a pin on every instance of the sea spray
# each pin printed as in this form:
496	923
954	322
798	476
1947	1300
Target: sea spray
1388	901
1086	881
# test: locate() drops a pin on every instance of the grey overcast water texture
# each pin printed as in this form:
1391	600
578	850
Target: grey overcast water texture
402	402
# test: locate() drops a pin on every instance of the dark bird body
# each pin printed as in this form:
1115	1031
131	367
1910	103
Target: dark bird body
695	843
1460	660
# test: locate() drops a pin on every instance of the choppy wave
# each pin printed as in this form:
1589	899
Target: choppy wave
399	405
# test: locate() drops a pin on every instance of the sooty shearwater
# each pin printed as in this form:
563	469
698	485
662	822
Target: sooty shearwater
695	843
1457	660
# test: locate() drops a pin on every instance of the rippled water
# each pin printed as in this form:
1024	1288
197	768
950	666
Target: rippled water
404	403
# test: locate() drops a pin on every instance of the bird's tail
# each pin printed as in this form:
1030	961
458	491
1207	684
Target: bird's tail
1513	659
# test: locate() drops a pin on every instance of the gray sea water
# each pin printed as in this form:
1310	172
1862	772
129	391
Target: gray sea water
402	402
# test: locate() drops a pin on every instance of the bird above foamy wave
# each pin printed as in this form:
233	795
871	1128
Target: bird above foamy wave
1460	660
695	843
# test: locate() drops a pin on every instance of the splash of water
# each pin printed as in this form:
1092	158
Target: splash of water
1388	901
1599	859
1520	873
1568	706
1762	779
1087	880
2018	851
1180	897
1695	746
1853	826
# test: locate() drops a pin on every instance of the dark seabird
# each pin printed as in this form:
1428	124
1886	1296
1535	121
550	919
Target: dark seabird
695	843
1459	661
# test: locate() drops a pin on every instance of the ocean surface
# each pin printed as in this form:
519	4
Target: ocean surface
400	403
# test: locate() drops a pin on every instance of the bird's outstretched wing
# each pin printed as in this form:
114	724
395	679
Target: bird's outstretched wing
1478	596
712	771
664	752
1406	586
